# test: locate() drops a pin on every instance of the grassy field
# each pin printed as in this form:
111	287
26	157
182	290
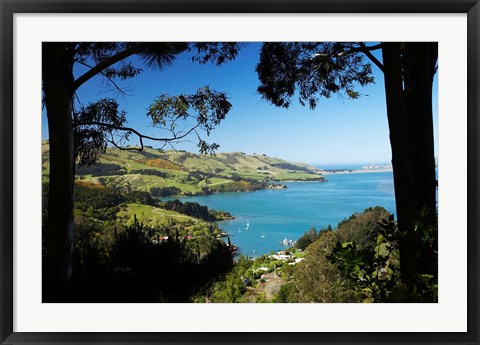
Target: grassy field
191	173
159	220
153	217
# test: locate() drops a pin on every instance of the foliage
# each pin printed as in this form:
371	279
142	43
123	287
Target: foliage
192	209
128	265
287	294
90	252
94	128
290	166
151	172
307	238
101	122
164	191
318	279
316	69
209	108
154	55
361	227
100	169
141	197
97	201
81	135
198	174
374	269
231	289
243	186
220	215
215	52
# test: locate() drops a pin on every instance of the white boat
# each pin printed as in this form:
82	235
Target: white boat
287	242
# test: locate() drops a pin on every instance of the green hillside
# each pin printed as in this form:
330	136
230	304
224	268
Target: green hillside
169	173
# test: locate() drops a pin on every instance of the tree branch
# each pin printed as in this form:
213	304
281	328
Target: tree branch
104	64
367	51
363	48
119	89
112	141
370	48
137	133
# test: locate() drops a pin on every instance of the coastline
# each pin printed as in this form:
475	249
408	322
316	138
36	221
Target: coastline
357	171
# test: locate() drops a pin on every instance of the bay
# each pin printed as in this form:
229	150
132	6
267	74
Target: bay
265	218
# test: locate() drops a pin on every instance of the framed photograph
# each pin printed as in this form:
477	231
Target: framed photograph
197	172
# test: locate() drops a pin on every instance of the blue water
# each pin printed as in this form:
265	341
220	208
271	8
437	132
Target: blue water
340	166
347	166
265	218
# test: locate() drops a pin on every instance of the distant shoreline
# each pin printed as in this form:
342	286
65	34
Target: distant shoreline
356	171
302	181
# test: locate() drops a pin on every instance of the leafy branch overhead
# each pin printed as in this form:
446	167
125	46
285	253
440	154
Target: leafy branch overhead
315	69
112	59
312	70
79	133
215	52
102	123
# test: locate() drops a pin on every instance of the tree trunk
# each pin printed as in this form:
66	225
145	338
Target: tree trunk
57	84
419	66
419	69
409	70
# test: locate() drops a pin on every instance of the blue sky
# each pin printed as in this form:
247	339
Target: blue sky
338	131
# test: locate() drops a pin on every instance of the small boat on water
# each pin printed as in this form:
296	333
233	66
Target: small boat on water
287	242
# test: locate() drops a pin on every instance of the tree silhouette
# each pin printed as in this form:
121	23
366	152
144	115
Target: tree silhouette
314	69
81	135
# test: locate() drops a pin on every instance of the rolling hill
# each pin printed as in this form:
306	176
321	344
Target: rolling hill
168	173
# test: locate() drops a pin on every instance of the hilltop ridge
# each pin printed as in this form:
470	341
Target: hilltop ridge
168	173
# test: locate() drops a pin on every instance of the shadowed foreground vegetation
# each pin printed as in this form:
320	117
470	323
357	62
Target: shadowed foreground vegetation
80	134
135	248
117	258
356	262
130	246
130	267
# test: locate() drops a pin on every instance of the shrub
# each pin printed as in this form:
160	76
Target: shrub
164	191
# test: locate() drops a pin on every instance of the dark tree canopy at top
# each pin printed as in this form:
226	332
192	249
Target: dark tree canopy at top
316	69
78	133
102	123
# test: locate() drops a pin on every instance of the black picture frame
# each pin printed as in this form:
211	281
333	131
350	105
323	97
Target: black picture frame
7	10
